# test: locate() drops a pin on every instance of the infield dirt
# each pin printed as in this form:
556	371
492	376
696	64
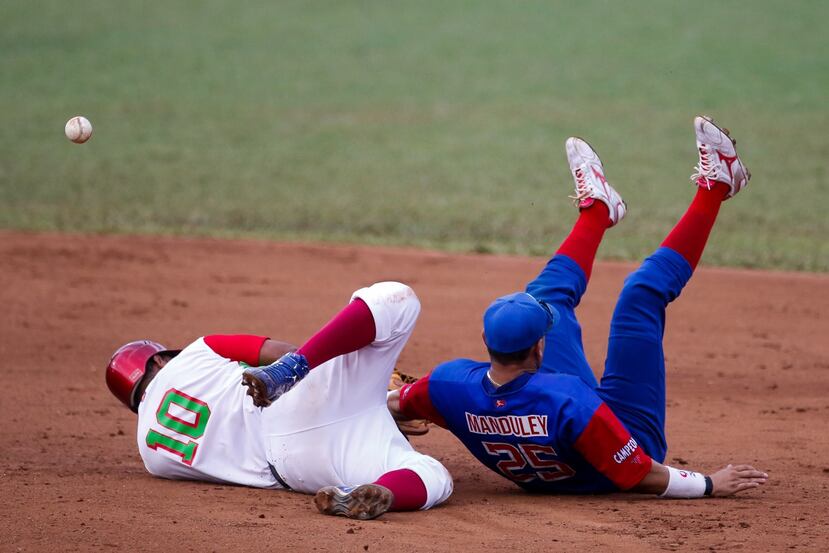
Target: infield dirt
748	381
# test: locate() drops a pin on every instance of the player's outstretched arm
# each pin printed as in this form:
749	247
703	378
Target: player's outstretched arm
248	348
668	481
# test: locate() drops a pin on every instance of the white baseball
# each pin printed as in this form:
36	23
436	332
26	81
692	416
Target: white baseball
78	129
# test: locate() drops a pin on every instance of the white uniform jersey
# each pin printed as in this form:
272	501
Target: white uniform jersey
332	429
195	422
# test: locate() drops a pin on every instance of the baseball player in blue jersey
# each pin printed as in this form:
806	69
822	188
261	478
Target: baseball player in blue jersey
535	413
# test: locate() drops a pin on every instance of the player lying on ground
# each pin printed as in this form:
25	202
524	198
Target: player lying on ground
333	436
535	413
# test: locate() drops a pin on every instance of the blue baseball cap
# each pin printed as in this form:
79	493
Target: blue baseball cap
516	322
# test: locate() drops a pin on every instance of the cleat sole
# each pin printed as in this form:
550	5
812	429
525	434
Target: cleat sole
362	503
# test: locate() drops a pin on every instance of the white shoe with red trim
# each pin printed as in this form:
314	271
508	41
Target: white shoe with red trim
718	159
591	184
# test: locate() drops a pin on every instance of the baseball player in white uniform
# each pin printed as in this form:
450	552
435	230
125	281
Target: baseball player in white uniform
332	435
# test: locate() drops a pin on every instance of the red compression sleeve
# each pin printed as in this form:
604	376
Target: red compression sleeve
350	329
607	445
408	489
583	241
689	236
237	347
415	402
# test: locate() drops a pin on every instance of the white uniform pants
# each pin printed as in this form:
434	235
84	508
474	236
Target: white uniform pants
334	427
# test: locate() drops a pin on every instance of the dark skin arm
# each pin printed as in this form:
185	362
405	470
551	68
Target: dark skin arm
270	352
273	350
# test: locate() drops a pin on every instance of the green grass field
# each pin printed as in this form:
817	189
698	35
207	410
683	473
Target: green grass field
437	124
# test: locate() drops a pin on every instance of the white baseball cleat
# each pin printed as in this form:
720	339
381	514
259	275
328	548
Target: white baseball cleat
591	184
718	159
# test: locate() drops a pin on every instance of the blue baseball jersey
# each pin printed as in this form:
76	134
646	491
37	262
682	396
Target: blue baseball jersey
546	432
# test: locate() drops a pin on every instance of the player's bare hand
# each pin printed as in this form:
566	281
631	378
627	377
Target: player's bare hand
736	478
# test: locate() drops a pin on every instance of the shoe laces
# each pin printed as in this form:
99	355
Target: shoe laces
706	168
582	188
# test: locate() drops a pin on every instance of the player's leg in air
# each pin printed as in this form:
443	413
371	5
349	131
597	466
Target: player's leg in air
633	384
564	279
333	434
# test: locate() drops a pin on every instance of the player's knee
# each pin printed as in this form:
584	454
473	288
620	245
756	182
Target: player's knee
660	278
398	298
640	310
561	282
640	289
395	307
396	292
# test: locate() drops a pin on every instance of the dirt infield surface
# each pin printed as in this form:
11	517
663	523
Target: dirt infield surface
748	381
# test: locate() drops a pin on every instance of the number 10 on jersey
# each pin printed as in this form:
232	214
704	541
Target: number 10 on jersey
197	414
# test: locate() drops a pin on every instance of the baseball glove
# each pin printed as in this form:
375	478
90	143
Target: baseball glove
413	427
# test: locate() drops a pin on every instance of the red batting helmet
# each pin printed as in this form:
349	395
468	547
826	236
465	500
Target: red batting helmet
127	367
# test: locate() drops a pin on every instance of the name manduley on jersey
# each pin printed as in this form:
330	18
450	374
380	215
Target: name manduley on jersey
508	425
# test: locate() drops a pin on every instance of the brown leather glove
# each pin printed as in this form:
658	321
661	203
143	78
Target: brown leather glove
409	427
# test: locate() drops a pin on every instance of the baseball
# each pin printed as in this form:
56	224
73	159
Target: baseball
78	129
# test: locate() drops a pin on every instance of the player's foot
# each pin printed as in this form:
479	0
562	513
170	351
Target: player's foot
718	159
362	502
591	184
266	384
